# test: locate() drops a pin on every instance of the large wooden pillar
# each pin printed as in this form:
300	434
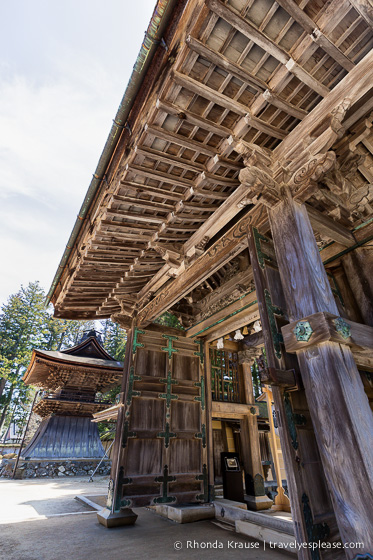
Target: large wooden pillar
306	485
340	412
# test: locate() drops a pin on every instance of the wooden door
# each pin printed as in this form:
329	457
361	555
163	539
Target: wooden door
161	452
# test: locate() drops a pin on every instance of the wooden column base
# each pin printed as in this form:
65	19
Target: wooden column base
124	517
257	503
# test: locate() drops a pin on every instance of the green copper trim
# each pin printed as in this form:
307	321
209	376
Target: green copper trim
166	435
303	331
299	419
169	348
202	435
165	479
342	327
290	421
315	532
363	224
168	395
200	354
136	344
132	378
127	434
203	477
258	237
201	398
272	311
119	501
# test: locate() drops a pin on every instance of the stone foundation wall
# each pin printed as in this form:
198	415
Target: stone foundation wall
47	468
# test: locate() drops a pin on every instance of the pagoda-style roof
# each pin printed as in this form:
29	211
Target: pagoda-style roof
86	365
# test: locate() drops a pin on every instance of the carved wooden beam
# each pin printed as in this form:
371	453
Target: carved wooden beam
230	244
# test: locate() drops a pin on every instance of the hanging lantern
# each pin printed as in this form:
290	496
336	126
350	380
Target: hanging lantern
220	343
238	335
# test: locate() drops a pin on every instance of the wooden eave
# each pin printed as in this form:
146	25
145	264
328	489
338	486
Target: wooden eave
250	71
42	363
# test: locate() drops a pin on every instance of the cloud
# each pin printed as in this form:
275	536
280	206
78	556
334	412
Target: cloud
58	96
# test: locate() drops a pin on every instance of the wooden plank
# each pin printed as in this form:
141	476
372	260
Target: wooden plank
153	191
180	140
328	227
248	29
269	46
356	83
221	408
283	105
216	317
244	317
310	27
218	219
192	118
216	97
222	62
358	266
160	176
156	155
365	9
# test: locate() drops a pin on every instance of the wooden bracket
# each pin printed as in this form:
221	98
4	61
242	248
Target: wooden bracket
279	377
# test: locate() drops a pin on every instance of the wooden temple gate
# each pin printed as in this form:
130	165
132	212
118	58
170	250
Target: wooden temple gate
237	185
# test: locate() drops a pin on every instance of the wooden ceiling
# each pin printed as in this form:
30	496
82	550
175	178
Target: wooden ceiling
236	73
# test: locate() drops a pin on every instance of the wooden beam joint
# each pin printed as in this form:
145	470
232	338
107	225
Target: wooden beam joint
323	327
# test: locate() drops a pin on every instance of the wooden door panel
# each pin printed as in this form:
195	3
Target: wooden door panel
147	414
144	456
185	416
163	448
185	456
185	367
150	362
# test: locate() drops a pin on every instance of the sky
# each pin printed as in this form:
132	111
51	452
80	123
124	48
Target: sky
64	67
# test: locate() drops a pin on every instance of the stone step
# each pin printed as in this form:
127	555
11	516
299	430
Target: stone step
185	513
231	513
259	526
277	539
